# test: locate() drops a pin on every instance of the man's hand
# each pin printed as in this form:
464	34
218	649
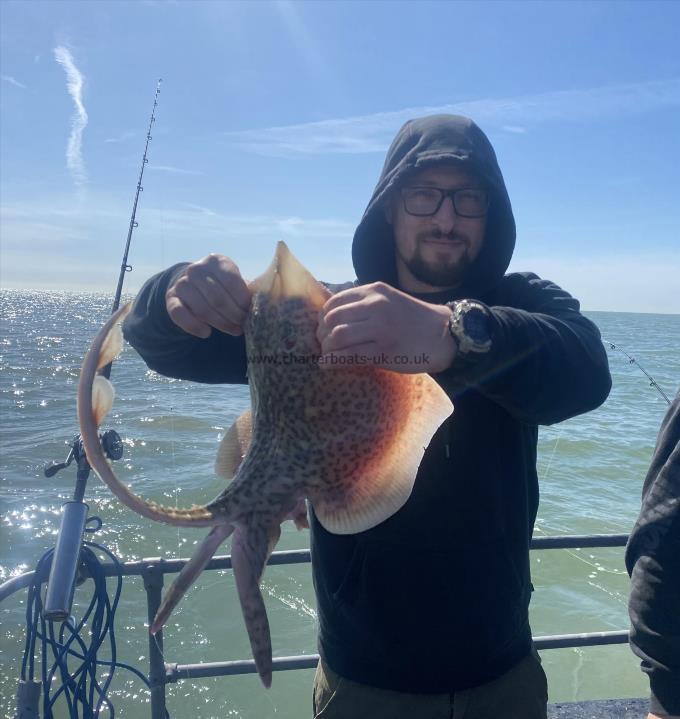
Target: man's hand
662	716
378	325
209	293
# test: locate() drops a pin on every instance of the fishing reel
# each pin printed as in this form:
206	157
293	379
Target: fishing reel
112	445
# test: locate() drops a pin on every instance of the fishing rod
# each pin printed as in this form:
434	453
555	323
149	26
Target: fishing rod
632	360
69	563
64	566
125	267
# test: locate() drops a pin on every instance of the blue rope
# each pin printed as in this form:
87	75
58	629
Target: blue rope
77	685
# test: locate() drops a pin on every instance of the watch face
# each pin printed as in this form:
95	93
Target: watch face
475	325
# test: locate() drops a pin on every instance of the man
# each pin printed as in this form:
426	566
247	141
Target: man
425	615
653	561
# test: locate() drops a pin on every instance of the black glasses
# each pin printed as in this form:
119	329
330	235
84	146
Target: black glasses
426	201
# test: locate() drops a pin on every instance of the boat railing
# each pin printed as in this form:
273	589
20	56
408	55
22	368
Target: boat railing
161	673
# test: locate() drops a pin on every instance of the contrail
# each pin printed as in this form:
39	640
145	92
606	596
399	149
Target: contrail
74	85
13	81
515	114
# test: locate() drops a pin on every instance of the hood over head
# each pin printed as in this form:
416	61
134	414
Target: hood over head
422	143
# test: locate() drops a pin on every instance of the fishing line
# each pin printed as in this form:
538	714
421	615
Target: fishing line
161	224
544	478
538	528
547	470
174	469
599	568
162	653
631	360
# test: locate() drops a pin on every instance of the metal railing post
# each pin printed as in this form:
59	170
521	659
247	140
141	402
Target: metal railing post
153	584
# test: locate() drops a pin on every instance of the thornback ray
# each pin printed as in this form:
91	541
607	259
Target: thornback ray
349	441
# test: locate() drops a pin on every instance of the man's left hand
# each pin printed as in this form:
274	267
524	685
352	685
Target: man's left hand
380	326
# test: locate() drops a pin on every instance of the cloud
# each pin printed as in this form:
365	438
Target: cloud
74	86
13	81
36	234
199	208
122	137
210	224
635	282
174	170
373	133
291	225
302	40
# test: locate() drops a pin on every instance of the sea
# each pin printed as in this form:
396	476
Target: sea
591	470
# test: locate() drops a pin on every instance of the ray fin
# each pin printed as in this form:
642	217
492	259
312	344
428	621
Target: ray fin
234	446
372	453
103	395
299	514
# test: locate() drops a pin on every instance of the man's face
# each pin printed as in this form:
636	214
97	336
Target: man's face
433	253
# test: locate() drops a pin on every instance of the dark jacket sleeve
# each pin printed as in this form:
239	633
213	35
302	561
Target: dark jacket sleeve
653	562
170	351
547	361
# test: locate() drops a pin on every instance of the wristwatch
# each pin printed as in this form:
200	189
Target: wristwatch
469	327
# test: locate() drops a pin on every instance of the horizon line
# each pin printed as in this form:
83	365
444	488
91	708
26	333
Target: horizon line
107	293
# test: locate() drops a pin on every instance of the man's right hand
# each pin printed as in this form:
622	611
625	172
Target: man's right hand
209	293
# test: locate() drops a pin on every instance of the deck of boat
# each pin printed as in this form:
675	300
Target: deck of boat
602	709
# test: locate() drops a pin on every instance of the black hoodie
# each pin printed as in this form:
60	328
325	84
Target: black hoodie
435	599
653	561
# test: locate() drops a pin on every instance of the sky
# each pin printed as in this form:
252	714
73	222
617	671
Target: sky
274	117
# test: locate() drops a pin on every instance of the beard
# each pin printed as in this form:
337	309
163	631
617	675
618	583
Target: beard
445	270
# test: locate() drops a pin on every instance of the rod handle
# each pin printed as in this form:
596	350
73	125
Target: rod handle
61	584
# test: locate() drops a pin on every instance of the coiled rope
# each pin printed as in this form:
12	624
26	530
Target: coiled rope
70	668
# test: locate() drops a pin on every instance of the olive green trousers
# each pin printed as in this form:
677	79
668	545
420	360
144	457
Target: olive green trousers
521	693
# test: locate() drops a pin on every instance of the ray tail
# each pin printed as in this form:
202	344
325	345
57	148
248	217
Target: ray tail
190	573
250	549
92	407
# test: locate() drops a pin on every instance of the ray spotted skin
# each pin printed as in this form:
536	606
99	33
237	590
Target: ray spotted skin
350	442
